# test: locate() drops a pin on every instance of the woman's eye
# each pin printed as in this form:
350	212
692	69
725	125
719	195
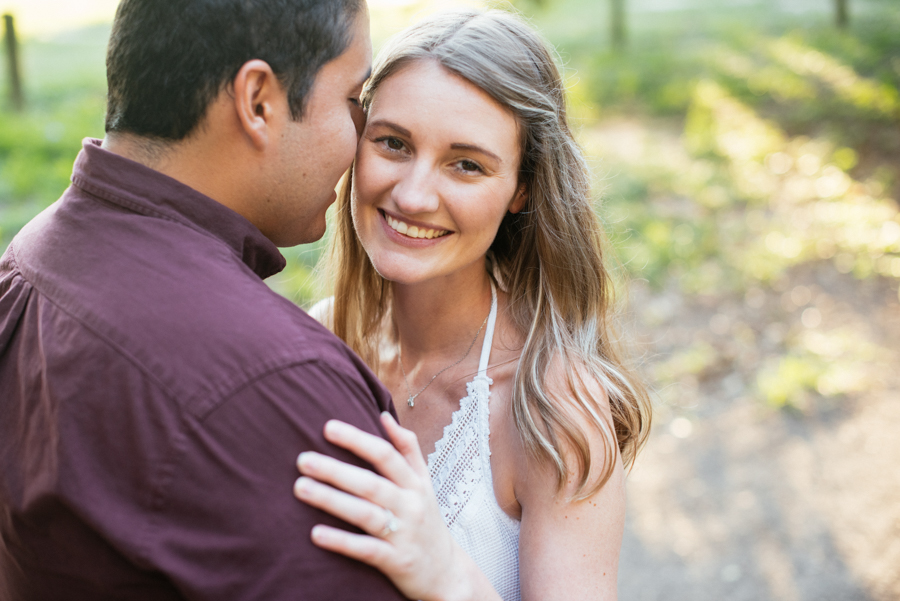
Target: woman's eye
470	166
393	143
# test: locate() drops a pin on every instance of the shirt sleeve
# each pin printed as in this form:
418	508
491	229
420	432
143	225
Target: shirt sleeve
230	528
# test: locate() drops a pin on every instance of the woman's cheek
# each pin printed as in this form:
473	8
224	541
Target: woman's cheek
378	177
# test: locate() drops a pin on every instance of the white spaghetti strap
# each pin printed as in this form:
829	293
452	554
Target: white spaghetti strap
488	334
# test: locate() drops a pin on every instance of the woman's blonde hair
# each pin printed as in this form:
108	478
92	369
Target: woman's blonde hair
548	257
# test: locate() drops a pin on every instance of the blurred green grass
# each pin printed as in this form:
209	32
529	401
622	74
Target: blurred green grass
731	145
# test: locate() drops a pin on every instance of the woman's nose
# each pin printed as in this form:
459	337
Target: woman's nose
416	191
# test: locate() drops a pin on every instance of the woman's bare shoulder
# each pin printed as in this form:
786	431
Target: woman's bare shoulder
323	312
580	399
572	535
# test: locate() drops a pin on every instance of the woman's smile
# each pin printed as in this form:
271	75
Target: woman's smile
412	229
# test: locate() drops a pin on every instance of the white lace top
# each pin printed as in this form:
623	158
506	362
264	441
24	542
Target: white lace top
460	469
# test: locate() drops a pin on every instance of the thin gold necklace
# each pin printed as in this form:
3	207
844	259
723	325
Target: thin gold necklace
411	401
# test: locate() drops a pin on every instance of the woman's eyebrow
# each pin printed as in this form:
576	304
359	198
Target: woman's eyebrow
476	148
390	125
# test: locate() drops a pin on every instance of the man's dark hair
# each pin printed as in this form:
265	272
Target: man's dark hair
169	59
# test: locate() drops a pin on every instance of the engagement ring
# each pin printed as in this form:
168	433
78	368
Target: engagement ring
391	523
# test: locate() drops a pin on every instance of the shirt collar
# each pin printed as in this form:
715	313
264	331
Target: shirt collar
142	190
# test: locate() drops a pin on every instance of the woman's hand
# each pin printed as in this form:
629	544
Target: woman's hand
409	542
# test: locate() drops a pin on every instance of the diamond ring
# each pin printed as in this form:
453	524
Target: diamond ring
391	523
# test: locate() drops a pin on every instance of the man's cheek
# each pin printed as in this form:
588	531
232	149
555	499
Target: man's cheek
359	121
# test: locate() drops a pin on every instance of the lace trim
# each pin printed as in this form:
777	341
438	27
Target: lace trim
458	450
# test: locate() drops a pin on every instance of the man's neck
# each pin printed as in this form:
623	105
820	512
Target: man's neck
193	161
150	152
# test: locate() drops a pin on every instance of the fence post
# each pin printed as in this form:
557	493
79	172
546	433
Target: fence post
617	24
12	54
841	17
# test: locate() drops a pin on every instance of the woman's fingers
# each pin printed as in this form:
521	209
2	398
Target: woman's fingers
374	449
353	510
367	549
406	442
409	541
349	478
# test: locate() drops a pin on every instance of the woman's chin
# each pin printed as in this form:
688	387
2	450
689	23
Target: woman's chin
402	276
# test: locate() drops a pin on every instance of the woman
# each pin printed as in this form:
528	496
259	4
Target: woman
468	220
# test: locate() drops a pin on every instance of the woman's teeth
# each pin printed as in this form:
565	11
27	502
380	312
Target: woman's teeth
412	231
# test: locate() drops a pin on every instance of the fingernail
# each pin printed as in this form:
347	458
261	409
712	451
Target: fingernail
335	427
319	533
301	487
304	459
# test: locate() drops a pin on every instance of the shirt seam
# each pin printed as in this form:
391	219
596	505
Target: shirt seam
217	398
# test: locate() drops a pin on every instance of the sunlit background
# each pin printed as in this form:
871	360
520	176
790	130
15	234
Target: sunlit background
747	165
42	19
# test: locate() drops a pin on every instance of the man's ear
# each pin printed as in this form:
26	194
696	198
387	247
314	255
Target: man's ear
518	201
259	101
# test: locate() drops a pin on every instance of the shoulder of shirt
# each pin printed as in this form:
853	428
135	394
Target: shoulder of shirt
201	326
275	336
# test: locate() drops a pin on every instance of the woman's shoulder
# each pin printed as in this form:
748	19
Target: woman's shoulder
323	312
568	381
583	426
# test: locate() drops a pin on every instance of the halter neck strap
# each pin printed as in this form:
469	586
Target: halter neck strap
488	334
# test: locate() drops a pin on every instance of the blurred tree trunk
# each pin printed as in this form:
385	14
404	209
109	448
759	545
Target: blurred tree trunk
840	14
617	24
12	53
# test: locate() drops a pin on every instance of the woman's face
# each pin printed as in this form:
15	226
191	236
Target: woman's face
436	171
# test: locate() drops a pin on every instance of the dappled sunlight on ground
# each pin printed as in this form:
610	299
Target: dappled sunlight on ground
750	505
730	484
767	302
732	206
863	93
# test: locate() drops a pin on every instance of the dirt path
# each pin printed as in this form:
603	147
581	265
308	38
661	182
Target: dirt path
734	499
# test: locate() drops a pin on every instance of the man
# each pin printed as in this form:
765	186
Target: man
153	391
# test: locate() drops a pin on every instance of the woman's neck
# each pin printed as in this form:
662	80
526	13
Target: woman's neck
439	317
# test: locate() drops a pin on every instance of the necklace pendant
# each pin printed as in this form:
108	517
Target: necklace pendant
411	401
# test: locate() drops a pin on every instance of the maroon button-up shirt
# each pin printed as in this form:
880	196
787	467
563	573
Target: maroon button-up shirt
154	394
